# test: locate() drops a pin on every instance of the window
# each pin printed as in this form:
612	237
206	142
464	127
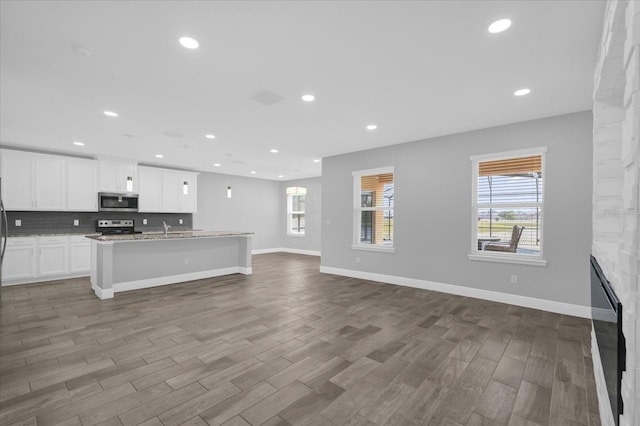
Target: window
508	207
373	209
295	210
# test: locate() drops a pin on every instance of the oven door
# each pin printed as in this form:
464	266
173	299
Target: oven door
115	202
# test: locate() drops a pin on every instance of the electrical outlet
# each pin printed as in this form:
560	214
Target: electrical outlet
186	262
18	222
357	259
144	221
76	222
180	221
514	279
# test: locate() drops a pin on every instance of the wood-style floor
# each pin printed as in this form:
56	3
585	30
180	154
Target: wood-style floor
287	345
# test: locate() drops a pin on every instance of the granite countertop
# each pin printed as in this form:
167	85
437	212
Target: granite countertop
50	234
169	236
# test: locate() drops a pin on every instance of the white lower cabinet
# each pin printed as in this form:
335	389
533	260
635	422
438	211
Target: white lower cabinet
52	256
34	259
79	255
20	260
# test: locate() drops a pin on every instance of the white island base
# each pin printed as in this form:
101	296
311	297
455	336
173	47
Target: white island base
131	262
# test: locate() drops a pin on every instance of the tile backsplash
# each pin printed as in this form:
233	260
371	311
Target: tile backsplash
43	222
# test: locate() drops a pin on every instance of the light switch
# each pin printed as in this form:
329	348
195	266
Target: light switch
144	221
18	222
180	221
76	222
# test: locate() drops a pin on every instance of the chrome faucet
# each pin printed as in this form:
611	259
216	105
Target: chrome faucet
166	227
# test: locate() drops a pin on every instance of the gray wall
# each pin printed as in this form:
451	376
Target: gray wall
255	206
313	218
433	209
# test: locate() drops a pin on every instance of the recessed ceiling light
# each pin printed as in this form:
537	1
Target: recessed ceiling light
216	164
499	26
317	160
372	127
308	98
273	151
253	172
280	176
78	143
522	92
110	113
159	156
189	42
210	136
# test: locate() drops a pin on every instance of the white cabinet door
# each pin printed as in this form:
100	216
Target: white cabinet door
171	190
17	180
114	175
150	186
52	259
79	257
82	189
49	183
188	201
19	260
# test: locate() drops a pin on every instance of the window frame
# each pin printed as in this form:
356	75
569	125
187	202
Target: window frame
357	210
291	212
488	256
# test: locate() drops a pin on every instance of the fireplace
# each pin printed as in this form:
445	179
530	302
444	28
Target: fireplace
606	314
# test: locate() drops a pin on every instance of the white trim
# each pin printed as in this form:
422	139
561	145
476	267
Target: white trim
295	234
475	254
103	294
301	251
513	299
374	247
514	258
287	250
267	250
180	278
508	154
37	280
604	405
376	171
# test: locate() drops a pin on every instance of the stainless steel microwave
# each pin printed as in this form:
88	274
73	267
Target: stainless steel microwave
117	202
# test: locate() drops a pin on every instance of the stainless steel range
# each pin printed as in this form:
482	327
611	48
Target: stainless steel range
116	226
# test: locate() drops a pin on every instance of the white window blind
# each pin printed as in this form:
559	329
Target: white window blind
508	205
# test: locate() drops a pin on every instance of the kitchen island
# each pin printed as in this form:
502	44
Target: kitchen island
135	261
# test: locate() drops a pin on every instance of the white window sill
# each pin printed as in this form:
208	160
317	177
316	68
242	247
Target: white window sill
373	247
508	259
296	234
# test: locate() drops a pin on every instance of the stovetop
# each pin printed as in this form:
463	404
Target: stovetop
116	226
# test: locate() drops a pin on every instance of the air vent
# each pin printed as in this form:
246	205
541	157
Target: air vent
267	98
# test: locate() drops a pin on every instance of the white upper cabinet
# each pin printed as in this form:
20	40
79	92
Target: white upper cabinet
33	181
49	183
163	190
114	175
17	180
150	189
82	185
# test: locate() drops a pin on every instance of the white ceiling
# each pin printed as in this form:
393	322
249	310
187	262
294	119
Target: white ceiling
416	69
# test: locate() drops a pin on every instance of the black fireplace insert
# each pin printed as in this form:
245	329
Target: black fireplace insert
606	314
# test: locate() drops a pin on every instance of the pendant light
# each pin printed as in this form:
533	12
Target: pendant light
129	182
185	184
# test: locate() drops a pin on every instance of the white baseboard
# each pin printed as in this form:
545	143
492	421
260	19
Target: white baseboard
286	250
38	280
265	251
513	299
604	406
103	294
173	279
